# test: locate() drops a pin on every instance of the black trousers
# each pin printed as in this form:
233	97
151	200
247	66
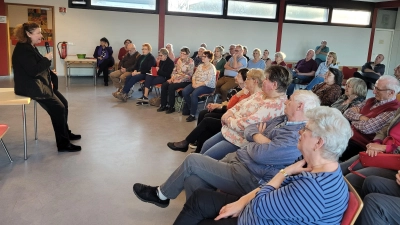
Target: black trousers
103	68
369	78
216	113
57	108
205	130
353	148
203	206
168	92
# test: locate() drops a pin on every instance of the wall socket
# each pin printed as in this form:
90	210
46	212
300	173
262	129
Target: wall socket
70	43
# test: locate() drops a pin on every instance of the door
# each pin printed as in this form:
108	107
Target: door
382	45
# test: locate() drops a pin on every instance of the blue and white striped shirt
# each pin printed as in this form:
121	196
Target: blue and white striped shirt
306	198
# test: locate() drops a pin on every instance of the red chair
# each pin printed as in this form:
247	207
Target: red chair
354	206
207	96
3	131
348	72
289	65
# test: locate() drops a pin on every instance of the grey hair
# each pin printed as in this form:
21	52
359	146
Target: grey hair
202	48
220	48
281	55
308	98
359	86
391	83
332	127
163	51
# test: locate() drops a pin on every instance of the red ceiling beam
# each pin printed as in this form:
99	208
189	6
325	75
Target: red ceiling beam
161	23
4	64
371	39
280	24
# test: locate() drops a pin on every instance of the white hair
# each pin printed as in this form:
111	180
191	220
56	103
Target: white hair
281	55
392	83
308	98
331	126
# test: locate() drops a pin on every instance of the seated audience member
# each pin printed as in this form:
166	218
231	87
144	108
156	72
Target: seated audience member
323	67
219	61
321	52
180	78
310	191
202	45
170	49
140	70
126	64
229	54
330	90
256	62
198	59
355	92
245	53
279	59
304	71
272	146
164	71
371	71
124	50
266	58
371	115
382	201
212	123
103	54
259	107
235	63
387	141
203	82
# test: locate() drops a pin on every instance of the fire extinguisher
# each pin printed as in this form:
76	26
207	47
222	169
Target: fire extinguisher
63	52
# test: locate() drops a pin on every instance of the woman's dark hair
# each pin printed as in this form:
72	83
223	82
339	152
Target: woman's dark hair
338	75
243	73
209	55
185	50
21	29
127	40
280	75
105	40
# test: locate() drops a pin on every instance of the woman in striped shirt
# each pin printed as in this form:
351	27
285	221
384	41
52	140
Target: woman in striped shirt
310	191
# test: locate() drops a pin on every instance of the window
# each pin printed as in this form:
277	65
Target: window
213	7
252	9
347	16
131	4
306	13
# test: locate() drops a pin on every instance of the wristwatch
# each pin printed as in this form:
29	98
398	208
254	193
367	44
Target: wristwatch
282	171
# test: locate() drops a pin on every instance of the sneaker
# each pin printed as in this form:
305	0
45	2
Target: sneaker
149	194
139	103
190	118
115	94
122	96
130	92
143	99
193	145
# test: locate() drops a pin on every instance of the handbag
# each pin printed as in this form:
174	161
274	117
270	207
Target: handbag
384	161
156	101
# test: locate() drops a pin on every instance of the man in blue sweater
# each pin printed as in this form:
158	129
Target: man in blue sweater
272	147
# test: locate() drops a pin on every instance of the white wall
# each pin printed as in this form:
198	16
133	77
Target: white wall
395	55
192	31
349	43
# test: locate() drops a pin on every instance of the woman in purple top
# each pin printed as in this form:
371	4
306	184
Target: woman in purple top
103	54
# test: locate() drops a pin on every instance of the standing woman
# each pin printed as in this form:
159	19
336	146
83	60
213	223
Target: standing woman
33	78
103	54
219	61
203	82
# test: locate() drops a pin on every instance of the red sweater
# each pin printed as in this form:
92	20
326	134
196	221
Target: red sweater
364	139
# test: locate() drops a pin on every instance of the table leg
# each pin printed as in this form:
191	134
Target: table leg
35	118
94	75
24	129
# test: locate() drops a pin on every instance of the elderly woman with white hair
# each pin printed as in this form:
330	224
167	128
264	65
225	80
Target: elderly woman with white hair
355	93
279	59
312	190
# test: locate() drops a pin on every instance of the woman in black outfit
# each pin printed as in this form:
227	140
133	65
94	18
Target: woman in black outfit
33	78
103	54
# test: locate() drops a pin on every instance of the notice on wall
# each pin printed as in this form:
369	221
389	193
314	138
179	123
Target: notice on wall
3	19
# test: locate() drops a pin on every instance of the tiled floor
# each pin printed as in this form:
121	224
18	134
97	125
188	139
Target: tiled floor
122	144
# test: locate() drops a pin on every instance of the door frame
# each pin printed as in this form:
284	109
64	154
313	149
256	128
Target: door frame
387	58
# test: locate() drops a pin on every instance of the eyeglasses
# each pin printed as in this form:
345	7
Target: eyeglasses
304	129
145	49
236	50
161	55
376	88
182	53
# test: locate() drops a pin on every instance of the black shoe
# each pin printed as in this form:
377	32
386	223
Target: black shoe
170	110
162	108
143	99
193	145
145	103
105	83
73	137
149	194
172	146
139	103
70	148
190	118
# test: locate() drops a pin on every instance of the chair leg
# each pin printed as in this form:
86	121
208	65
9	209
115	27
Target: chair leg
205	103
5	149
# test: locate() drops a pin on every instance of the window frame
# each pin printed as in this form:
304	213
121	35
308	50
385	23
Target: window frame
117	9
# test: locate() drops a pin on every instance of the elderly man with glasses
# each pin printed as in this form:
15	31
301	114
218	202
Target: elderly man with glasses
370	116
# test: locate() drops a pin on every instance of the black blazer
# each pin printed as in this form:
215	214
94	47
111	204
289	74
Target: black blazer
165	68
31	72
144	63
109	52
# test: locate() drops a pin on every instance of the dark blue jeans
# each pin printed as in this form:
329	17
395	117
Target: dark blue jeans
191	96
132	80
304	79
153	80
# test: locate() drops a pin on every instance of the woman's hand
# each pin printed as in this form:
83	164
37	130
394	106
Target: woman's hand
372	153
297	168
232	209
374	148
49	55
261	127
212	106
54	71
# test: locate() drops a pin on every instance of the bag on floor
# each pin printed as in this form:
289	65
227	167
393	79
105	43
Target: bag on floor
384	161
178	103
156	101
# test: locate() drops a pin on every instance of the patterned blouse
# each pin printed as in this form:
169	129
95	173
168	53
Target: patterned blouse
183	71
206	76
328	94
254	109
339	103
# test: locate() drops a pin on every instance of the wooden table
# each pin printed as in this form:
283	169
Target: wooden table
72	61
8	97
